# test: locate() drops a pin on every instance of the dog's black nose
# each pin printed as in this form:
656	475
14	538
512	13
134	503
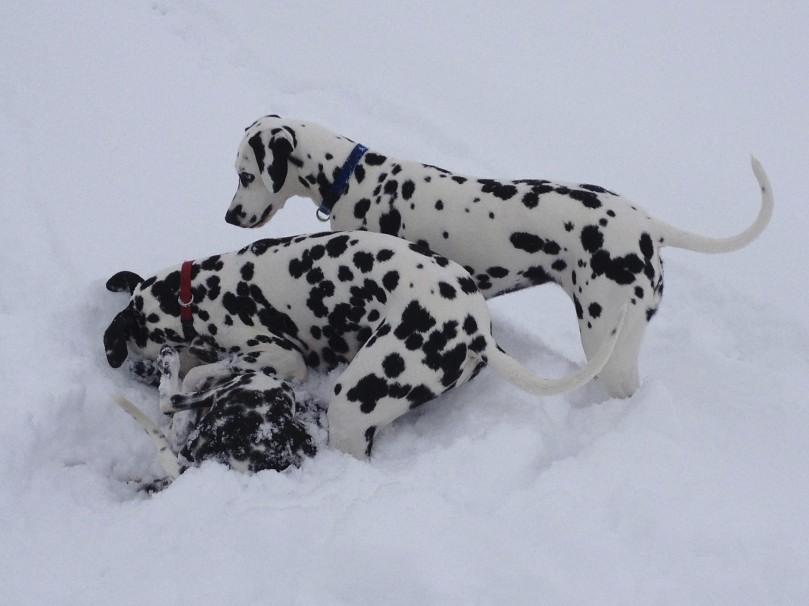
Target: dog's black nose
232	216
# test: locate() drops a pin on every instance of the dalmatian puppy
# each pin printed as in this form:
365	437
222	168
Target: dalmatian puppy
407	323
248	421
601	248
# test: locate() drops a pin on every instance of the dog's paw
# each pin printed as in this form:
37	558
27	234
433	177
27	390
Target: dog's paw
144	370
168	361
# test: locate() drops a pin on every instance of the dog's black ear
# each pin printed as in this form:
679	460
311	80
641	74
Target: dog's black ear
115	337
281	148
258	150
124	281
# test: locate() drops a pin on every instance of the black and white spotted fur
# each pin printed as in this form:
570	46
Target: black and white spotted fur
599	247
408	323
249	421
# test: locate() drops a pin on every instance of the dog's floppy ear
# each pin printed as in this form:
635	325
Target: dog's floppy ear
281	148
281	143
124	281
115	337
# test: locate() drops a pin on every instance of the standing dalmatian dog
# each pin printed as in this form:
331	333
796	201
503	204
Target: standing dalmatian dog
599	247
408	323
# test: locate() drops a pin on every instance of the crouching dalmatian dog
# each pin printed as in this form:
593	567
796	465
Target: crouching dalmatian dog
409	325
249	421
602	249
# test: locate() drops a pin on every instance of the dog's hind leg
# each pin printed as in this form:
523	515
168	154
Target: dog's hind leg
207	374
384	381
269	358
620	375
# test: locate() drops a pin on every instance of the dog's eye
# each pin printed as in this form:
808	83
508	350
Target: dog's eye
246	178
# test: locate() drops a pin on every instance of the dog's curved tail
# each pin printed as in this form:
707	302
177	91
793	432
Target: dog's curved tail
672	236
168	460
517	374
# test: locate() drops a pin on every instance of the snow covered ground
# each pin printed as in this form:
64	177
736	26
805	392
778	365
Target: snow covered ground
118	127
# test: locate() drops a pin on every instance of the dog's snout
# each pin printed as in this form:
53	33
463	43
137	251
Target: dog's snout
233	216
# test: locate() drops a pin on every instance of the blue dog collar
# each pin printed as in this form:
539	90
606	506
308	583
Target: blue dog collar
338	188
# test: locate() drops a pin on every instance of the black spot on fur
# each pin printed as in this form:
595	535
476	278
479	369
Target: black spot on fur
393	365
597	189
592	239
646	246
588	198
531	199
390	280
344	274
364	261
415	319
368	391
391	188
621	270
390	222
408	187
528	242
373	159
337	246
504	191
361	208
385	254
467	285
447	290
537	275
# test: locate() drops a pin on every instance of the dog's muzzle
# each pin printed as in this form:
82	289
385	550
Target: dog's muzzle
233	216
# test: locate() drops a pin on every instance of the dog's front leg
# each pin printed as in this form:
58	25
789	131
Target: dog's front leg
168	365
183	421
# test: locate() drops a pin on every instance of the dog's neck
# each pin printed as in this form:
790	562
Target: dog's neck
317	160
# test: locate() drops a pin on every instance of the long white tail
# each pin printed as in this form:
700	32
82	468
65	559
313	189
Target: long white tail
168	460
517	374
682	239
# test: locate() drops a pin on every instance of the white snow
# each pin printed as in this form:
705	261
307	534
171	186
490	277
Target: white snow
118	127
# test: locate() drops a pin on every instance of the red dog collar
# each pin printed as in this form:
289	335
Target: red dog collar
186	298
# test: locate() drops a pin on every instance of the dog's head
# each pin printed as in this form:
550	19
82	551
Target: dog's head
122	326
138	328
262	163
